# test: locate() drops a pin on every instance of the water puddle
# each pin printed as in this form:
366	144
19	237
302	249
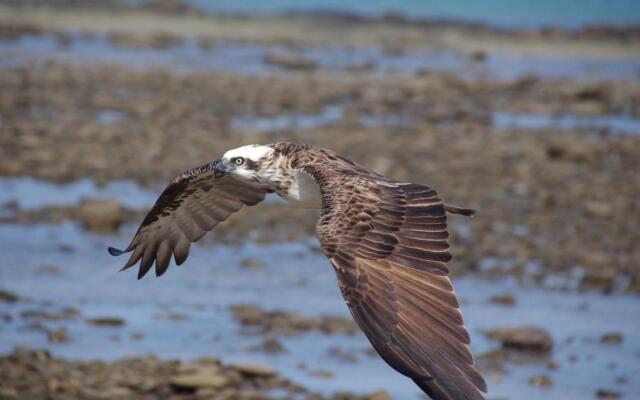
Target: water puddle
329	115
607	124
336	114
29	194
247	58
513	66
55	266
108	117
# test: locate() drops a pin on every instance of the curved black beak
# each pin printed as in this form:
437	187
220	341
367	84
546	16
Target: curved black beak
219	169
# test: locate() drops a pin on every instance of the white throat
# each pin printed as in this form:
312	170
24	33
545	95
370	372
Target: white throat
304	192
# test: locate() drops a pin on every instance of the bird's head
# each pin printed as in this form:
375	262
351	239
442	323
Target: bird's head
252	164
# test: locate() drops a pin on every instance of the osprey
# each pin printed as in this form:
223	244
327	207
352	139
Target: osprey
386	240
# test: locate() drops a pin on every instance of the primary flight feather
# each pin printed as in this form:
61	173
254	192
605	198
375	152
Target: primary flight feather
386	240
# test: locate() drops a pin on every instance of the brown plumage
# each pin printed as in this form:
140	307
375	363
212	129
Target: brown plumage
386	240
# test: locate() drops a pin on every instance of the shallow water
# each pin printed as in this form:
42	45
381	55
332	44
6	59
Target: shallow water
607	124
294	278
29	193
329	115
335	114
513	13
249	58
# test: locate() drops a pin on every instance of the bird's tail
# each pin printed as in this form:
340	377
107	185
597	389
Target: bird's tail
459	210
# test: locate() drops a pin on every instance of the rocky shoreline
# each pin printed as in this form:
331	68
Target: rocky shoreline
29	373
549	203
548	161
167	23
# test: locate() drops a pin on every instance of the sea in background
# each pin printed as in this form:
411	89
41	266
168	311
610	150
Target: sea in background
502	13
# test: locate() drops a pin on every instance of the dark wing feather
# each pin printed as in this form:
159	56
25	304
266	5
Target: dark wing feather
390	253
190	206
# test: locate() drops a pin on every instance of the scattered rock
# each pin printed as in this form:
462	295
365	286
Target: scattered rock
543	381
190	383
101	215
342	355
602	279
254	370
612	338
322	373
281	322
34	374
7	296
155	40
269	345
522	338
105	321
171	7
59	335
251	263
66	313
379	395
289	60
570	149
622	380
608	394
479	55
171	316
503	299
598	209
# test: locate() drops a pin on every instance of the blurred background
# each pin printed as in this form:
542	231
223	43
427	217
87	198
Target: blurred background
527	111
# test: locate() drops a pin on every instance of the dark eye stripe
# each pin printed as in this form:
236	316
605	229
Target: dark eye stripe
250	164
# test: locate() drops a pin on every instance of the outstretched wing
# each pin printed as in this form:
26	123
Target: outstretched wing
193	204
388	244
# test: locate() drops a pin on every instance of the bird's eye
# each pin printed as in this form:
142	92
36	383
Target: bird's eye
237	160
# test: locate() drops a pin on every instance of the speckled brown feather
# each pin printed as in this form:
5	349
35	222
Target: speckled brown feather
388	244
191	205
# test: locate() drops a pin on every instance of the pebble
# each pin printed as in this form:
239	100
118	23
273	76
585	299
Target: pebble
543	381
523	338
254	370
105	321
101	215
612	338
503	299
7	296
197	380
608	394
59	335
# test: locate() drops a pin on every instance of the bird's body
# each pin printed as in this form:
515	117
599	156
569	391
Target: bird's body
386	240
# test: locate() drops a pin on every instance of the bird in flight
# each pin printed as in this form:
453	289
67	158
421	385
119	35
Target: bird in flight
386	240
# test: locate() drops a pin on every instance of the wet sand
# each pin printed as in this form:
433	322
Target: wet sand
95	117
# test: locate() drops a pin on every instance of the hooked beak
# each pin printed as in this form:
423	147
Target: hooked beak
219	168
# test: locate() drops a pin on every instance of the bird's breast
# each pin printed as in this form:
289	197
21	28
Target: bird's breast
303	191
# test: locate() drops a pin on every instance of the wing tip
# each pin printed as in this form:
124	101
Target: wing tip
115	252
